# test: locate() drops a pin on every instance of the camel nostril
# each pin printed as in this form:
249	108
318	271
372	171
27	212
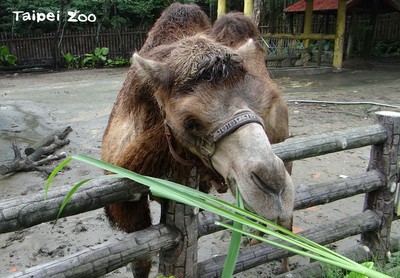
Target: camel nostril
272	191
263	185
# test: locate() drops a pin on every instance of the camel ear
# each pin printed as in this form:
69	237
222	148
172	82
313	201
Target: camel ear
250	49
152	72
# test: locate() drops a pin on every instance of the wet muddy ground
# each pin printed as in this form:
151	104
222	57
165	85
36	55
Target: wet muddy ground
33	105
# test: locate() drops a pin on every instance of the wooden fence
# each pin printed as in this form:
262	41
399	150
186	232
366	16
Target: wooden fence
379	183
46	49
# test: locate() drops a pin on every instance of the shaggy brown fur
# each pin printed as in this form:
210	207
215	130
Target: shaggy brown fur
135	138
233	30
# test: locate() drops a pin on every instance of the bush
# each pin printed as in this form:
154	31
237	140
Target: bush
6	58
97	59
386	49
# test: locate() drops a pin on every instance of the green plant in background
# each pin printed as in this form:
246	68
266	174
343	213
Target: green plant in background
72	61
327	45
179	193
118	62
6	58
386	49
96	59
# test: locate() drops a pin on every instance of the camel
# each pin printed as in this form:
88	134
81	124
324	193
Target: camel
199	97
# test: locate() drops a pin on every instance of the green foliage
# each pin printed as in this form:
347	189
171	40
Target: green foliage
97	59
386	49
327	45
358	275
72	61
332	272
7	18
118	62
115	13
335	272
6	58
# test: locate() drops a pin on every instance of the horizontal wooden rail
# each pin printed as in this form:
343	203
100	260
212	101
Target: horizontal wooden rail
26	211
22	212
252	256
106	257
299	148
327	192
301	36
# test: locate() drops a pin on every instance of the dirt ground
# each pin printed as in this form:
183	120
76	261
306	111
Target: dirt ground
32	105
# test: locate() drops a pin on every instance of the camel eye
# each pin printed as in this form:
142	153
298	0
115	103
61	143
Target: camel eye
191	125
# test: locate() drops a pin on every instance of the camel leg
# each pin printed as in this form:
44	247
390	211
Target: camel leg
285	261
130	217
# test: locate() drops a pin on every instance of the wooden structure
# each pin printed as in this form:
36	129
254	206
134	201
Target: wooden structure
342	9
247	10
380	183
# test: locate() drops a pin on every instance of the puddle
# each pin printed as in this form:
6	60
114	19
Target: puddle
17	125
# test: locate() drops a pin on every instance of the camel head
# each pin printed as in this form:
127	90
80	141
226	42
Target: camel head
219	103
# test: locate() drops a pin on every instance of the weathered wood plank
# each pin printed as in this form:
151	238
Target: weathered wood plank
250	257
26	211
104	258
327	192
181	261
384	158
299	148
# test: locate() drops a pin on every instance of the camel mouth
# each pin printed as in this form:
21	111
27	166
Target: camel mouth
274	205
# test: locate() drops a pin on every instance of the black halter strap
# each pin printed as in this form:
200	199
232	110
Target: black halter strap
206	144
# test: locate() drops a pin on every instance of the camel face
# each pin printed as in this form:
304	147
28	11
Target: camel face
218	104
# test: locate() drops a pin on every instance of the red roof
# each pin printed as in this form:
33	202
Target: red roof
380	6
319	5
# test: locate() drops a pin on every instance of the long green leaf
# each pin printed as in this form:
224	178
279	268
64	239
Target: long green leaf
54	173
234	245
69	196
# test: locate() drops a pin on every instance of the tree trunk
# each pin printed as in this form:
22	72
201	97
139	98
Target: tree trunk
257	10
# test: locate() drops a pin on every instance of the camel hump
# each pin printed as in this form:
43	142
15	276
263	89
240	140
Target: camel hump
176	22
234	29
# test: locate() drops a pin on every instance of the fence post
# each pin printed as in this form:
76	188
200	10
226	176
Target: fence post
181	261
385	159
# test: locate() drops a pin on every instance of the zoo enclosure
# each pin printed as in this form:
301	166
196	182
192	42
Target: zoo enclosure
380	183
